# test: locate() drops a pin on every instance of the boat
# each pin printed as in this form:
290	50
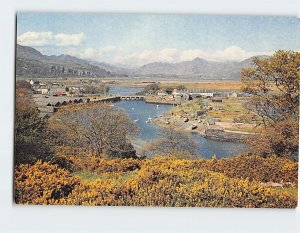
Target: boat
136	120
132	108
149	120
157	106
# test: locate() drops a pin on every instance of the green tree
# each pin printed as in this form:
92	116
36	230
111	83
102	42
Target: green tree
99	89
274	87
30	130
151	88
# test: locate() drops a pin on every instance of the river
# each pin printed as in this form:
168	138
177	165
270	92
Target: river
139	110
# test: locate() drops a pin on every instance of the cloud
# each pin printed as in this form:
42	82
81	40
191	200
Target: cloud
101	53
35	38
62	39
118	55
235	53
171	55
48	38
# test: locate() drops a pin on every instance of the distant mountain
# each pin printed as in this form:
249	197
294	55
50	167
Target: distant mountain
30	62
197	68
115	69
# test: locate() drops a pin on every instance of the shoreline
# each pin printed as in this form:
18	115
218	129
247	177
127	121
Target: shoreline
201	129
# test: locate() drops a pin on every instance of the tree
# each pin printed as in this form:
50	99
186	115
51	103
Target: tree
281	140
181	87
173	143
100	89
151	88
100	129
274	87
30	130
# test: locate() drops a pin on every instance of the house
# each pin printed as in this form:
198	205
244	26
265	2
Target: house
34	82
162	93
44	91
202	94
178	92
234	95
59	94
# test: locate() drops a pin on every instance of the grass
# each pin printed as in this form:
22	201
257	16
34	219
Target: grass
293	190
189	107
119	178
217	85
232	108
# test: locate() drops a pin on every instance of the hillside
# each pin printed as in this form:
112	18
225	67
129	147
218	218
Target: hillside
30	62
197	68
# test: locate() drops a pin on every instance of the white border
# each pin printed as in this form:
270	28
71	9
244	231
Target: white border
123	219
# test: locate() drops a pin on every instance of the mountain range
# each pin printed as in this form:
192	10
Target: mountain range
32	63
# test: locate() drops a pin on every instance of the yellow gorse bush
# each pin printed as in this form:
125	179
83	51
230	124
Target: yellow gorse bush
42	183
162	181
271	169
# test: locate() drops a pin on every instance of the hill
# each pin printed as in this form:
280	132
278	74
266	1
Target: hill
31	63
197	68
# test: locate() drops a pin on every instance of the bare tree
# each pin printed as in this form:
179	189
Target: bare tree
99	128
173	143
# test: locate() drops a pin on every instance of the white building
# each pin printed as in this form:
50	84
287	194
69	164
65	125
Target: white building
34	82
162	93
179	92
234	95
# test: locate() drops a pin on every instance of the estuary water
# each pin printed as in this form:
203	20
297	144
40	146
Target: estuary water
139	111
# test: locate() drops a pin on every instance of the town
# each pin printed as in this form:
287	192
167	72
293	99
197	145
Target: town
216	114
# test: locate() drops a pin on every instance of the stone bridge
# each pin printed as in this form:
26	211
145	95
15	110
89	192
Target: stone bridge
133	97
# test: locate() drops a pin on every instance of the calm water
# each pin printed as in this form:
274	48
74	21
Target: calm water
149	131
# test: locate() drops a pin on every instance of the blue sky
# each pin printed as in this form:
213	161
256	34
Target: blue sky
136	39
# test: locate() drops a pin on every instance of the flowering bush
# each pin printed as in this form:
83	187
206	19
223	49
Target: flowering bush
161	181
271	169
43	183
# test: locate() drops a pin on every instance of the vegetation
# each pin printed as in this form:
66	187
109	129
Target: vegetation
173	142
217	85
31	141
150	89
162	181
190	107
271	169
95	164
100	89
231	110
274	85
100	129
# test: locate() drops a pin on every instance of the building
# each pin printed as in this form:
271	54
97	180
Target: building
201	93
162	93
44	91
234	95
34	82
179	92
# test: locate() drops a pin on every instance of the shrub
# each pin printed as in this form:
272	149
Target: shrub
42	183
157	182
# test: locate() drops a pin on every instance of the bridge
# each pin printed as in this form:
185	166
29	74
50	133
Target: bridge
133	97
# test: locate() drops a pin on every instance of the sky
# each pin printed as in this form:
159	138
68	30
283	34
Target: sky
138	39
